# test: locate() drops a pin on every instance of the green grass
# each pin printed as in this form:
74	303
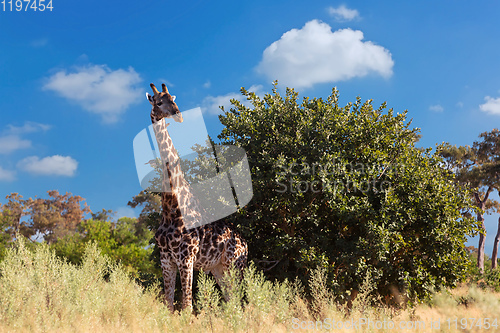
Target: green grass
40	292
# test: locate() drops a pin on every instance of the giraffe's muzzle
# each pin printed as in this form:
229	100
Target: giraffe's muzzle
178	117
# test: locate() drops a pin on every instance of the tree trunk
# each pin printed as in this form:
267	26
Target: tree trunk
482	237
495	247
16	225
482	241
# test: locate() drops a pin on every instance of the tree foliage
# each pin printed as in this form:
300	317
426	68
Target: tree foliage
12	217
58	215
477	167
122	240
346	188
149	219
50	218
488	155
151	204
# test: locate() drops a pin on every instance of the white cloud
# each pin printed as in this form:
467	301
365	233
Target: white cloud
12	140
492	106
28	127
342	13
10	143
98	89
315	54
7	175
207	84
258	89
56	165
436	108
211	104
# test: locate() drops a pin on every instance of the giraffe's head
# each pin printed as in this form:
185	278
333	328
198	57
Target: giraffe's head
163	105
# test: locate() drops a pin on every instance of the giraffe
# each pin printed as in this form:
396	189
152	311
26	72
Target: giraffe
213	247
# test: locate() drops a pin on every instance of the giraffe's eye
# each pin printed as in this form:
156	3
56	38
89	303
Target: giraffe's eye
159	103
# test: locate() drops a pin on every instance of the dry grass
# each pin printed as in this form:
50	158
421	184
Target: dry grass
41	293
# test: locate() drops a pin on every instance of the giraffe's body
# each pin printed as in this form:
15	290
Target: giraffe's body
212	247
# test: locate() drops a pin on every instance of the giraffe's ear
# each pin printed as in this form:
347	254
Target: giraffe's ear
173	98
150	98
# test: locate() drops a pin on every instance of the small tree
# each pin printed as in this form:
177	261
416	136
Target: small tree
479	168
58	215
488	156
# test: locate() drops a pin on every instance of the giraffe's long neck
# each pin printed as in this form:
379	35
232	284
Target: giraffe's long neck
169	202
173	178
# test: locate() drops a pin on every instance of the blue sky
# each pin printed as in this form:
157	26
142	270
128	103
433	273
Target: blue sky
73	79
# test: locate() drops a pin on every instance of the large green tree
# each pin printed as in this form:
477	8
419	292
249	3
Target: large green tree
346	188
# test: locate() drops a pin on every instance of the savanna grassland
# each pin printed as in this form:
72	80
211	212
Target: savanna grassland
351	227
39	292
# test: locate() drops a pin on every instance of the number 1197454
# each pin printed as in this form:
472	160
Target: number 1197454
26	5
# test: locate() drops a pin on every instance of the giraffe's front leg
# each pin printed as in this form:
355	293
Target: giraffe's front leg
169	270
186	273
